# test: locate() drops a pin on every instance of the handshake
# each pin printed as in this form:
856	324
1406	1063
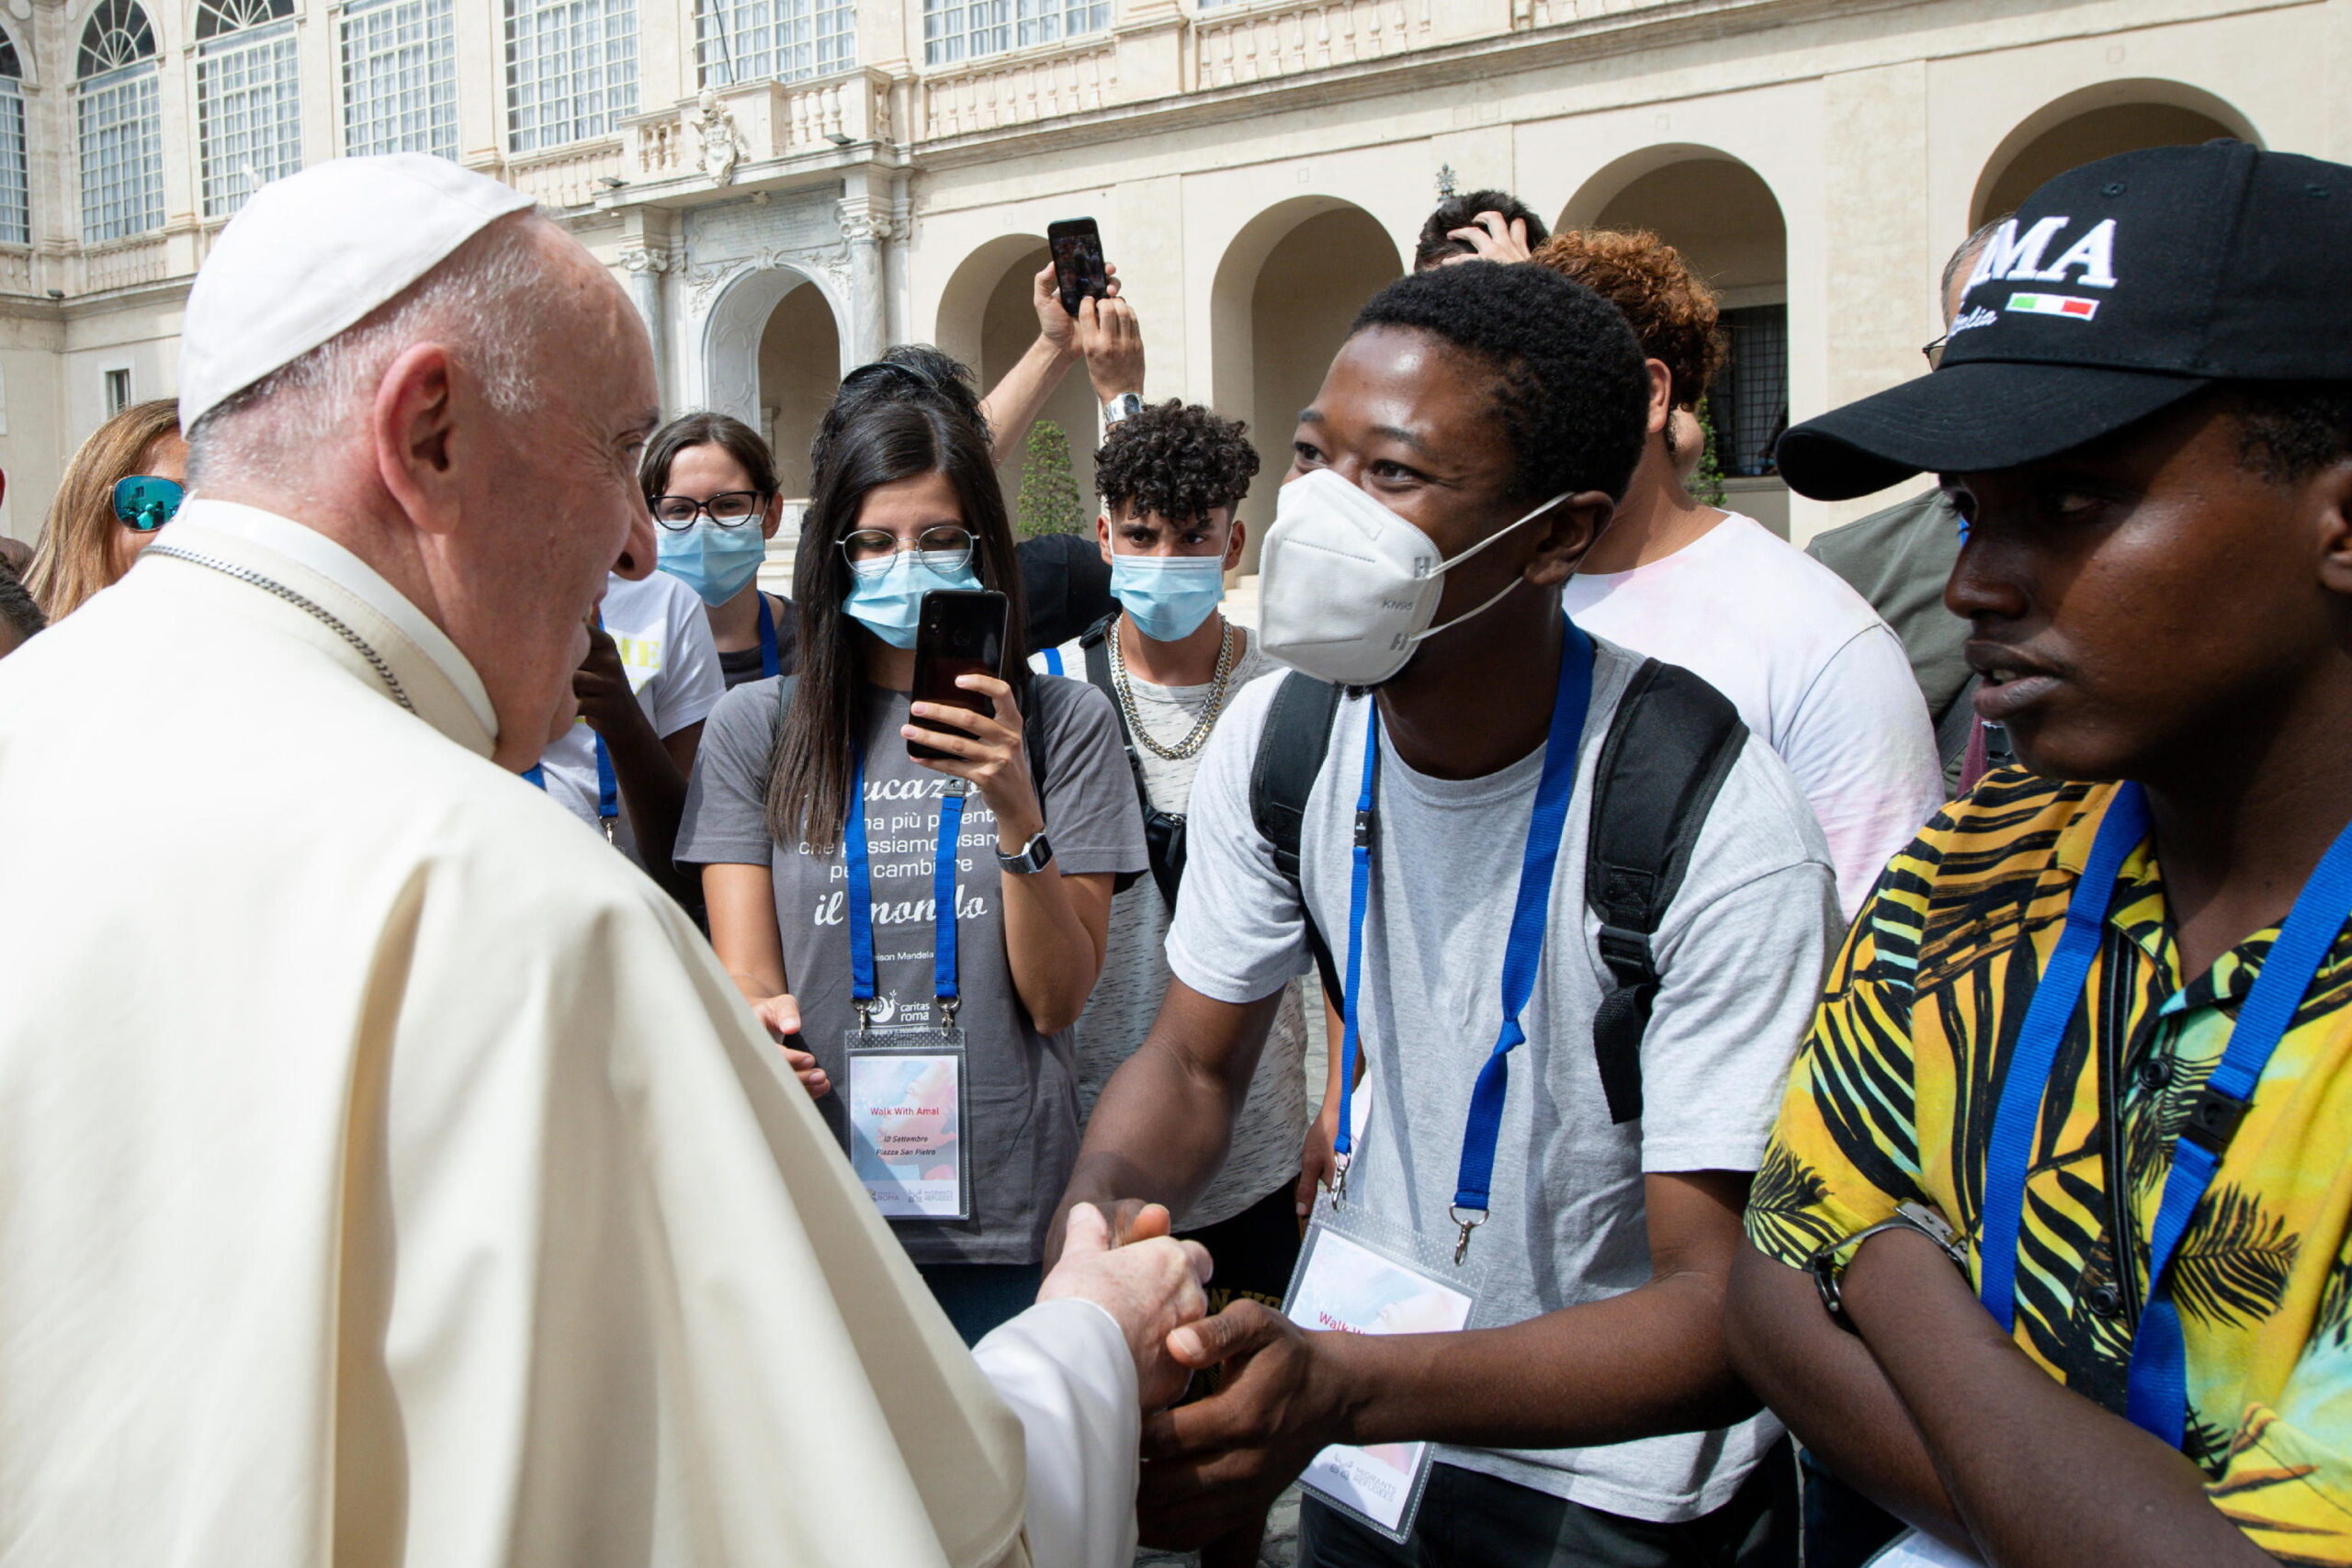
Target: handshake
1211	1467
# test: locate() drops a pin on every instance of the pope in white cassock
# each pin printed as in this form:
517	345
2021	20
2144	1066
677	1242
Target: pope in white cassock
389	1174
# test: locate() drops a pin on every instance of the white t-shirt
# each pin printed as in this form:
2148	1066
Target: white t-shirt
1741	952
1811	669
664	641
1272	1129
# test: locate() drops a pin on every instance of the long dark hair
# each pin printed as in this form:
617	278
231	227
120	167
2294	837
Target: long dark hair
873	441
729	435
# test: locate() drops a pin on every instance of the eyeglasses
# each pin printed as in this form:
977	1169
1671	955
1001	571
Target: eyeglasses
729	508
144	504
1935	351
946	549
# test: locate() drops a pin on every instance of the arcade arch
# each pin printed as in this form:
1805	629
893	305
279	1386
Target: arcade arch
1289	284
1726	222
2098	123
772	356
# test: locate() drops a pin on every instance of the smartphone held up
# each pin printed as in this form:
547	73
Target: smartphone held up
959	632
1079	270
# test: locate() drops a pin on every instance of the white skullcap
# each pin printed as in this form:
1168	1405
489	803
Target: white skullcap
313	253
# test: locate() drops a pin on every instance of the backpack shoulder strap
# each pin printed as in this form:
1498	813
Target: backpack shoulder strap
1290	754
1671	746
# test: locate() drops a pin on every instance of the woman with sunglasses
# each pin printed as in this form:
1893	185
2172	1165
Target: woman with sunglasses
937	990
711	483
122	486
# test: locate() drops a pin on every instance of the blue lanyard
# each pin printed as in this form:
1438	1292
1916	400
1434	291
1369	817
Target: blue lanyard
943	893
1523	951
770	665
608	788
2156	1396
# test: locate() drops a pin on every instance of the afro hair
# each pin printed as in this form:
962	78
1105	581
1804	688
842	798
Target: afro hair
1174	460
1569	390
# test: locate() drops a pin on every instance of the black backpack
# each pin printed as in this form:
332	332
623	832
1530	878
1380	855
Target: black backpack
1670	746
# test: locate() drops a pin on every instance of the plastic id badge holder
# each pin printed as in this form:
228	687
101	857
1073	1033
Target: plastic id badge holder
905	1099
1358	1274
905	1094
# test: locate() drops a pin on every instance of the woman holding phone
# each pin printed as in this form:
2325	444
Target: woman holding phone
925	1000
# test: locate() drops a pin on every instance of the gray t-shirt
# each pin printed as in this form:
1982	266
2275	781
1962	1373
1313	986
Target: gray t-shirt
1271	1128
1742	951
1021	1086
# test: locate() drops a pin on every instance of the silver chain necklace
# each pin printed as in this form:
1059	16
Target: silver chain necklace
1191	745
271	585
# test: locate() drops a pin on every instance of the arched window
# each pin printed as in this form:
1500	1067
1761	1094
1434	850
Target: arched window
570	70
759	41
118	125
248	109
16	213
400	78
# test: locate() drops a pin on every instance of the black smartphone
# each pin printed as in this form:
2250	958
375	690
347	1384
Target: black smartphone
960	632
1078	272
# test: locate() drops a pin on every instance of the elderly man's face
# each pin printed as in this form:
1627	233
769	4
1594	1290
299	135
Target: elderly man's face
556	489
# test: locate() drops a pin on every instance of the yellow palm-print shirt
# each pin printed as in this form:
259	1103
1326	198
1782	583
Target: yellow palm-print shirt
1892	1098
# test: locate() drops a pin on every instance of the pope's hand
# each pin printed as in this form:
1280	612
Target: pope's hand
1216	1465
781	1016
1152	1287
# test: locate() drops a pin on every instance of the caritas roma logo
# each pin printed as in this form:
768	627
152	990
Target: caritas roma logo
2010	256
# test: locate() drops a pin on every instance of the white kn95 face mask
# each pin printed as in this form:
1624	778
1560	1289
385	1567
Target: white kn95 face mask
1347	587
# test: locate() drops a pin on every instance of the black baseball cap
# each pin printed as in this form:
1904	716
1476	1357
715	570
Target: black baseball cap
2118	289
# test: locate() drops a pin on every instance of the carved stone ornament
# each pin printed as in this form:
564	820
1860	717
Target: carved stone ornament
865	222
723	149
702	283
649	261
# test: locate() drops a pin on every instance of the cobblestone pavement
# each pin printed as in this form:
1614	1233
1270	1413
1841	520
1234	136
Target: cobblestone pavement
1280	1549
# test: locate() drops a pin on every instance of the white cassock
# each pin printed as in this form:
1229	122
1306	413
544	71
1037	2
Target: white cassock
390	1174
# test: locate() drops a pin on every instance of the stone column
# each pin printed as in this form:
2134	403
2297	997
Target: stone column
868	225
646	259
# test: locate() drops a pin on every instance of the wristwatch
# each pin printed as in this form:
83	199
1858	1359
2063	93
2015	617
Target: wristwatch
1035	856
1827	1265
1127	405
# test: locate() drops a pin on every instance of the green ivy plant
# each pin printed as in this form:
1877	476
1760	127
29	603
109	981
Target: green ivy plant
1707	480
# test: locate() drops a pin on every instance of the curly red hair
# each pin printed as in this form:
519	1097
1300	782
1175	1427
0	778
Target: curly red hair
1672	311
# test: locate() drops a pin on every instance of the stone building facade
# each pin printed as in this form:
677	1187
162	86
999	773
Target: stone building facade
788	186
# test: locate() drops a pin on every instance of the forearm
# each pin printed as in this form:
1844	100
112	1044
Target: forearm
1054	957
2044	1477
1637	1365
1014	404
1823	1381
744	932
653	792
1161	1128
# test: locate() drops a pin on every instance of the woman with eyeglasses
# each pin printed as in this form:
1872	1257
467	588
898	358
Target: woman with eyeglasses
924	1000
710	482
119	488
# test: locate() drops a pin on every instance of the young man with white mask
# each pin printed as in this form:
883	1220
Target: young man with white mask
421	1191
1170	480
1466	445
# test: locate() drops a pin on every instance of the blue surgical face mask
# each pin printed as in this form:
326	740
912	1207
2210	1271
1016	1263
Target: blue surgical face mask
717	563
1168	596
886	596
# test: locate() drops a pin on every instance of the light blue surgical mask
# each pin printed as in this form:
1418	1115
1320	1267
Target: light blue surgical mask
717	563
886	596
1168	596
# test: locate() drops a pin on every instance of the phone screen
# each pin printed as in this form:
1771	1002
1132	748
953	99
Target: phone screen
960	632
1078	271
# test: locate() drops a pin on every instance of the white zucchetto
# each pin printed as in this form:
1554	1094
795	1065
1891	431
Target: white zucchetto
315	252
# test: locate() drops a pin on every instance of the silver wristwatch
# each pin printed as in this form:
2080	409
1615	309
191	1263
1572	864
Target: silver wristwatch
1127	405
1035	856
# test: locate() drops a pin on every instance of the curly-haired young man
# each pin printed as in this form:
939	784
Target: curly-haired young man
1474	432
1809	664
1170	478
